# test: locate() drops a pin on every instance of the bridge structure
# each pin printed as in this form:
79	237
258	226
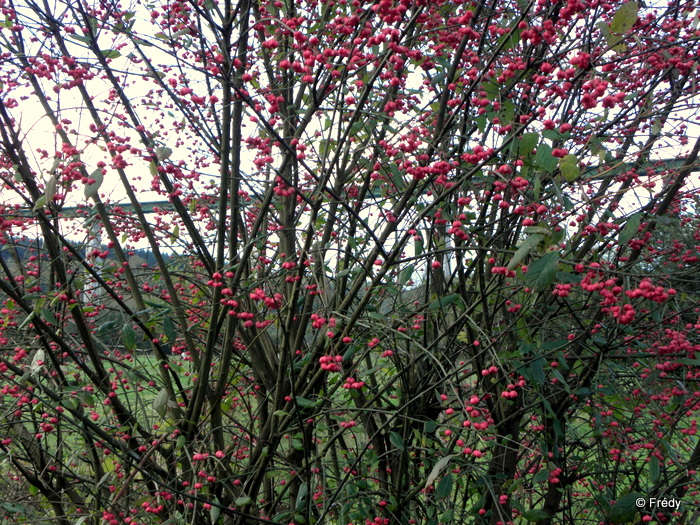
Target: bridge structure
149	207
85	211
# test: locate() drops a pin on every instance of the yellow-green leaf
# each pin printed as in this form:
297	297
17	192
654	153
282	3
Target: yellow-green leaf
160	403
625	17
175	235
605	31
50	188
110	53
437	469
92	190
163	153
40	203
569	168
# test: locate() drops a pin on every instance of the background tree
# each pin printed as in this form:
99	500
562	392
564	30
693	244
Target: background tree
409	261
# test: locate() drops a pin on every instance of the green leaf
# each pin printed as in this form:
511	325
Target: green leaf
128	337
606	33
81	38
357	127
480	122
654	469
604	390
625	510
603	501
215	510
444	488
524	250
544	159
27	320
160	403
630	229
540	477
419	244
569	167
396	440
558	430
242	501
535	515
93	24
14	508
542	272
110	53
169	328
507	111
439	467
37	361
396	177
668	449
91	190
513	38
406	274
445	301
302	496
528	142
538	228
625	17
348	271
537	371
552	134
141	42
48	316
87	398
304	402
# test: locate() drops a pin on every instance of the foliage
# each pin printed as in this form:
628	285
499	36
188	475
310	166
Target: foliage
408	261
